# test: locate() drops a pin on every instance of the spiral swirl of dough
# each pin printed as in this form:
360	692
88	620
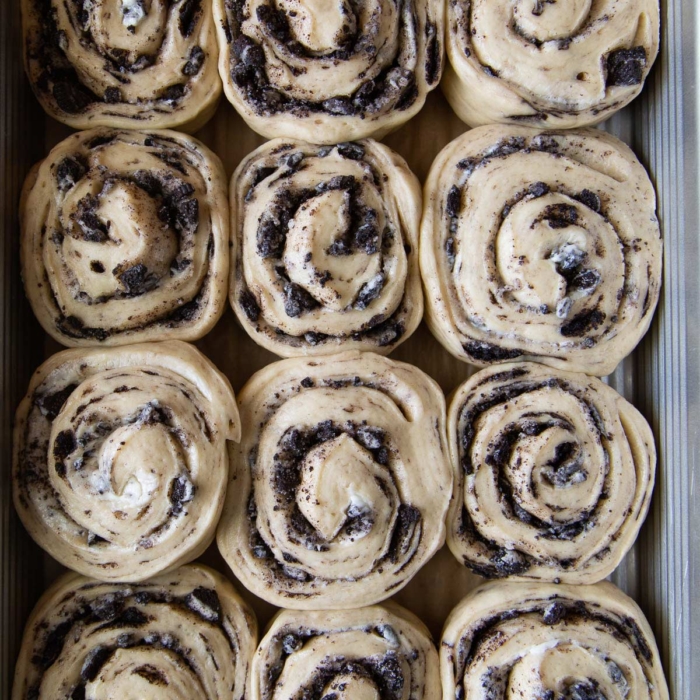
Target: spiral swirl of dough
326	247
125	238
538	245
553	474
340	486
364	654
538	641
129	64
180	636
120	462
551	64
329	70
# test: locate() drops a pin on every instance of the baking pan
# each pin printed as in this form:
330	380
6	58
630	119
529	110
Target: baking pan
662	378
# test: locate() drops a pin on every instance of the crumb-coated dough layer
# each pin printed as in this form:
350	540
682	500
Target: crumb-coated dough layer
339	489
179	636
131	64
120	462
536	640
125	238
325	247
540	246
554	65
330	71
553	470
367	653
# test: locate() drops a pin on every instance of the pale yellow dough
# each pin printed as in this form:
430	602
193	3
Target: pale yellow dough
129	64
540	246
328	71
547	64
179	636
529	640
362	654
301	200
120	462
340	486
554	473
125	238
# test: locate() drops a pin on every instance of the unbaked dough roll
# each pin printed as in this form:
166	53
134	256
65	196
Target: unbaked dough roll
540	246
131	64
339	489
553	64
329	71
553	474
180	636
120	462
549	642
125	238
325	247
363	654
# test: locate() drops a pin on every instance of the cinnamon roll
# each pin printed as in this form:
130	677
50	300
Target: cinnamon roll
542	246
329	72
340	486
120	461
375	652
125	238
550	64
179	636
129	64
325	247
527	640
553	474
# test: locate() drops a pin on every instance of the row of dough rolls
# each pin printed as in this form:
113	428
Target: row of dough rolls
325	72
336	71
188	634
533	246
348	477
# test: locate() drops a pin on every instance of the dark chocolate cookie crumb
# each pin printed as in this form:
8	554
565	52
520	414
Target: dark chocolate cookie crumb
249	305
626	66
69	171
560	215
486	352
453	203
71	97
205	602
353	151
582	323
113	95
190	11
50	405
589	199
195	61
297	300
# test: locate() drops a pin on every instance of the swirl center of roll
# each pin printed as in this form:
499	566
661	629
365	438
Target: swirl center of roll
312	259
118	240
546	469
141	672
329	496
352	663
348	687
568	671
552	253
546	20
339	482
321	26
121	457
126	30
